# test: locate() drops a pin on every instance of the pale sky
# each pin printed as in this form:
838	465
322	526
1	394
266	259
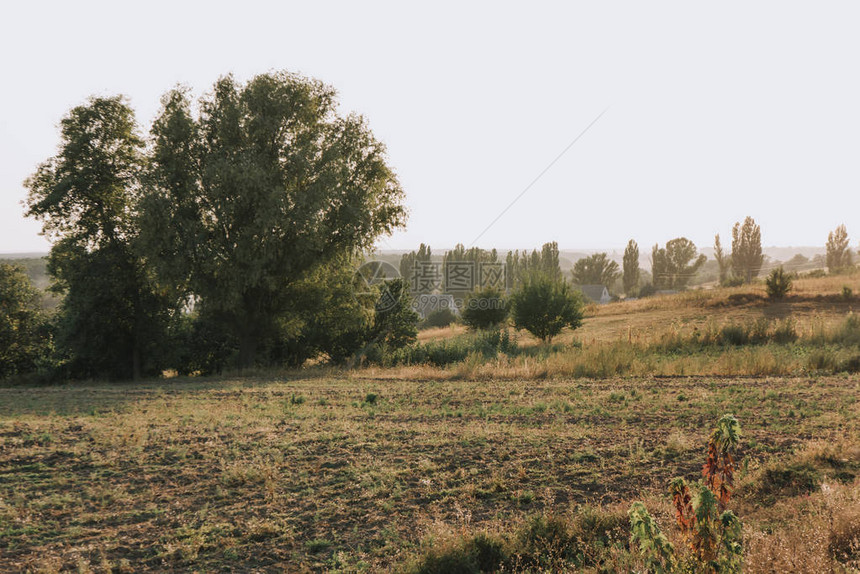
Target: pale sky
714	112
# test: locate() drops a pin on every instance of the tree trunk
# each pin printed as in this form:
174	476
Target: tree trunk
247	348
135	362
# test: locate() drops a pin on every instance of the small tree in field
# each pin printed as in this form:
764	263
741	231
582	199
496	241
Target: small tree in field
838	252
485	309
747	257
631	268
778	283
544	307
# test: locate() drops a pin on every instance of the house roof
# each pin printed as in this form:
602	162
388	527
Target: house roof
593	292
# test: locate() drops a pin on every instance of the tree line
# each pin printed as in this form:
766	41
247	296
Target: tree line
229	233
229	230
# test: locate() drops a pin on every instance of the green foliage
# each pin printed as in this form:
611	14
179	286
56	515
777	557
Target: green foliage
485	309
747	257
778	283
486	344
838	253
113	319
544	307
656	550
595	269
328	317
631	272
24	340
408	262
266	184
520	267
395	323
473	258
671	265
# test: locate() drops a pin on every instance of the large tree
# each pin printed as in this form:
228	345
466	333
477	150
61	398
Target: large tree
747	257
596	269
264	185
671	266
838	252
112	318
631	268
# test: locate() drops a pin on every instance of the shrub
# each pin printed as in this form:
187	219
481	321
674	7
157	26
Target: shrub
395	322
778	283
485	309
785	332
544	307
438	318
847	293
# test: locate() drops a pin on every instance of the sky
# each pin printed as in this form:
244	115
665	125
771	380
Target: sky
710	112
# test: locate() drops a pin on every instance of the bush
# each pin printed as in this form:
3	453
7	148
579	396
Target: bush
544	307
395	323
443	352
438	318
778	283
485	309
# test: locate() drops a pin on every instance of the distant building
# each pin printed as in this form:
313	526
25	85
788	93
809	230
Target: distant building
596	293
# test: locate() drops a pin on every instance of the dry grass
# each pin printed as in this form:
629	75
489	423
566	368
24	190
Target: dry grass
325	473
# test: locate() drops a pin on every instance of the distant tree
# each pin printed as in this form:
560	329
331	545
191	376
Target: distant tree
23	337
484	309
409	271
544	307
113	317
631	268
723	261
461	269
595	269
778	283
797	262
521	267
838	252
747	257
266	184
671	266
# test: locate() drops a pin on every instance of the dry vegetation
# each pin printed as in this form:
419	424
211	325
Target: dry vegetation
379	469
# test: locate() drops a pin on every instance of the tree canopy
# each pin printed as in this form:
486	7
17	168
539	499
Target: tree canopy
265	184
86	197
747	257
671	266
631	268
595	269
838	252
